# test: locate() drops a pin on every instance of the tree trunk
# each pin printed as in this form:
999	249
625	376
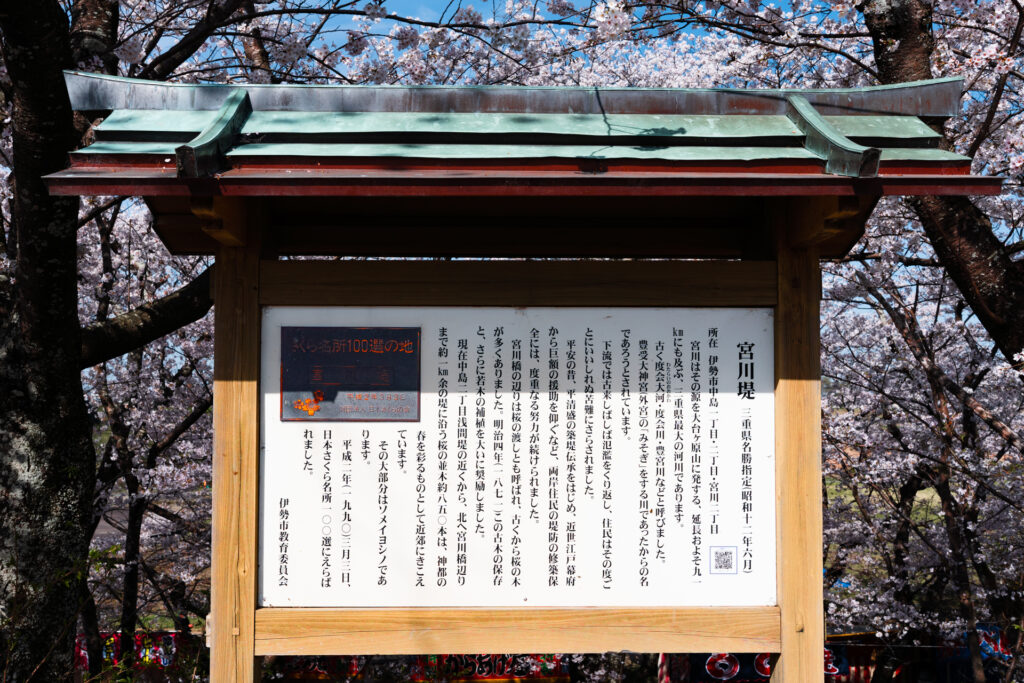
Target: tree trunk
132	560
91	629
48	467
94	32
885	666
952	517
979	264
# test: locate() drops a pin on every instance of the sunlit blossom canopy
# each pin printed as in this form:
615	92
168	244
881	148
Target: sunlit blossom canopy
493	157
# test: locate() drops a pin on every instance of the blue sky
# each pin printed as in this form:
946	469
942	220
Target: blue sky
428	11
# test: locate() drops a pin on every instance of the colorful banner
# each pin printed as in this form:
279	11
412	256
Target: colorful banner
156	649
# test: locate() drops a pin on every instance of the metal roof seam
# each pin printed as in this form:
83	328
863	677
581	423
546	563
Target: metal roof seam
204	154
842	155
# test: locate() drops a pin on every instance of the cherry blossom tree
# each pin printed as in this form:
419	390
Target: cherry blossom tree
923	451
153	406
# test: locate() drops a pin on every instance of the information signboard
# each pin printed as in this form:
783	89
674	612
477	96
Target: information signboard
517	457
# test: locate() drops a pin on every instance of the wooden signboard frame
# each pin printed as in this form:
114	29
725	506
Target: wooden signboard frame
246	280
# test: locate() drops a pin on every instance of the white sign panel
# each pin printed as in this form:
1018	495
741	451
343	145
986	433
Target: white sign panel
508	456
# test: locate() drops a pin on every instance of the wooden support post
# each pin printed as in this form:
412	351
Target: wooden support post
222	219
798	446
235	458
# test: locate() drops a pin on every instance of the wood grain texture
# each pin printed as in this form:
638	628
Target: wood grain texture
518	283
302	631
798	452
235	463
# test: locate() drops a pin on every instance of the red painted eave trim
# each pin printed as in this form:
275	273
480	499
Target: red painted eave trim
135	181
392	165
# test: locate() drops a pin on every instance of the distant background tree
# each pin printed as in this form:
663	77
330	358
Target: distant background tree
924	534
924	324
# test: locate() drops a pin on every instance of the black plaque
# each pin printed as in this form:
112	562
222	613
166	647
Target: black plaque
353	374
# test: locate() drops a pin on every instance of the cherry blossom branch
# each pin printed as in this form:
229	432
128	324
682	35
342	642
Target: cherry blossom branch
997	95
463	25
98	210
255	48
908	329
218	14
865	256
172	516
117	336
199	608
762	35
163	444
892	504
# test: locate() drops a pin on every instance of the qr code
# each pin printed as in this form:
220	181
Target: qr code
723	560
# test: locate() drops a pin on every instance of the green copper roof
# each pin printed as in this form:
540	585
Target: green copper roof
124	122
165	148
174	124
912	154
739	126
480	152
133	121
208	128
892	127
938	97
